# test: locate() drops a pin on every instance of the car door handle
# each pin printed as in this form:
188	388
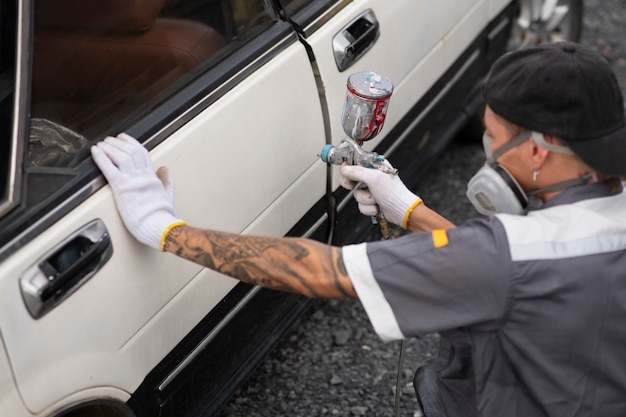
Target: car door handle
356	38
65	268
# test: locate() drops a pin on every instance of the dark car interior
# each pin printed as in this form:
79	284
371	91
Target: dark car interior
95	62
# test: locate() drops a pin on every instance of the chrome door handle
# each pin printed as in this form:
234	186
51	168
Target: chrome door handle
356	38
65	268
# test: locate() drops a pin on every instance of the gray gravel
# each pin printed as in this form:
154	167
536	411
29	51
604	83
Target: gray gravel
331	363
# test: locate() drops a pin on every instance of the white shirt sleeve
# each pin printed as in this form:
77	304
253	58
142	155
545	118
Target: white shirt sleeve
370	294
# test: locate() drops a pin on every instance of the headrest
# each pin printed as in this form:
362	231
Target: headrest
97	15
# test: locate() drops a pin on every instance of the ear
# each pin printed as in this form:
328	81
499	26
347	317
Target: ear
539	153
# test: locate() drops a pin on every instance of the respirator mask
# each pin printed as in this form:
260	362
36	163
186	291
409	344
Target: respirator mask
494	190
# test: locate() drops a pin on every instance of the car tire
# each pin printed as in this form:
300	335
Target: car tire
546	21
532	27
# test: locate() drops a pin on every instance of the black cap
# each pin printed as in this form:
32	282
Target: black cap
566	90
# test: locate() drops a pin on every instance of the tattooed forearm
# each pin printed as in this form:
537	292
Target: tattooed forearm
286	264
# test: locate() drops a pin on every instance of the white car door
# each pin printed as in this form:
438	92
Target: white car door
244	158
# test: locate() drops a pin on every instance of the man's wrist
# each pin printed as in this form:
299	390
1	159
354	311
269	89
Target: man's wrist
166	233
407	214
422	218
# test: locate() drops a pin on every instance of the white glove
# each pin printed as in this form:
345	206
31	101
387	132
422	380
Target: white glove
144	199
382	190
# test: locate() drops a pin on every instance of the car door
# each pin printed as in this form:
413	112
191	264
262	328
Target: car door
412	42
85	310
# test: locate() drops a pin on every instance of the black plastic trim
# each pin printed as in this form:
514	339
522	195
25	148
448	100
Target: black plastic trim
205	385
318	11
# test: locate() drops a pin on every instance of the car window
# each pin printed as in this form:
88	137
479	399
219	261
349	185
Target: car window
99	68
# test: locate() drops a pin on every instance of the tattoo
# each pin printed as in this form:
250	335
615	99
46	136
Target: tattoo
338	272
286	264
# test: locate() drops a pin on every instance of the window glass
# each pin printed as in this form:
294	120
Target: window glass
98	66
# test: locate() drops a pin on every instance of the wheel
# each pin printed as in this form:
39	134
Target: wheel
544	21
535	22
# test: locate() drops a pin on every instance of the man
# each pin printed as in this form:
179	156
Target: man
530	306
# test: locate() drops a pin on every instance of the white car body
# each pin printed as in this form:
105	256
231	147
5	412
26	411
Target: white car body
247	163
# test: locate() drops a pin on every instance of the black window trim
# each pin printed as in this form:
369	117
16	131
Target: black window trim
20	102
315	15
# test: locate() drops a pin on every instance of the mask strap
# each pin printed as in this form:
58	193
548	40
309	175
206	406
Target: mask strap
563	185
541	141
522	137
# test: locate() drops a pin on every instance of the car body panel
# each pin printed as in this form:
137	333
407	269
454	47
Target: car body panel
239	165
104	345
9	397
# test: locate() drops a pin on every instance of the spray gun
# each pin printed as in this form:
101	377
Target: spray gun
367	100
351	153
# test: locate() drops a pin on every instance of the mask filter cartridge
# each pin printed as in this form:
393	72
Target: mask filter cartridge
493	190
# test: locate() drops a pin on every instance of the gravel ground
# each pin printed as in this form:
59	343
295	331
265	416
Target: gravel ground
331	363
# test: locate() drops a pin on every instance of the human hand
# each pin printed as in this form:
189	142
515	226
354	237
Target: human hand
382	190
144	198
